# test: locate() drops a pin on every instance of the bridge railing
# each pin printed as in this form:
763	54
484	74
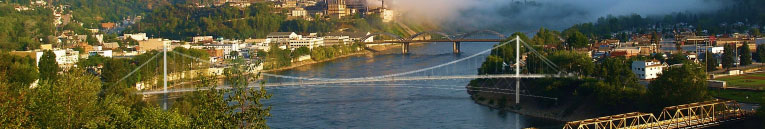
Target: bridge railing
694	115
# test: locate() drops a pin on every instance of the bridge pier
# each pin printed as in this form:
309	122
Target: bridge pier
456	47
404	48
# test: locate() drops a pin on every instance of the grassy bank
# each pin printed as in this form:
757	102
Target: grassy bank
749	81
739	95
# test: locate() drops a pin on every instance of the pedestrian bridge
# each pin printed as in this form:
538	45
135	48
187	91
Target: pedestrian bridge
694	115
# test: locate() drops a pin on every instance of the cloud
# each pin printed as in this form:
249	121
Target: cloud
528	15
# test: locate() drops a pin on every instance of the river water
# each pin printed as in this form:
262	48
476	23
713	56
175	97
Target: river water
412	104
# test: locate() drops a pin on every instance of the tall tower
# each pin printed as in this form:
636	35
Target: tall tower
336	8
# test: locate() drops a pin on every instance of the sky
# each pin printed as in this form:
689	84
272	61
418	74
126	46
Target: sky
531	14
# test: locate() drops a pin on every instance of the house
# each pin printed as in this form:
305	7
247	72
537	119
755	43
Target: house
111	46
108	25
646	70
298	12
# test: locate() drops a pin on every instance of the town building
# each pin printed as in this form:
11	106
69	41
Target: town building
66	58
337	8
111	46
282	38
104	53
308	41
153	44
136	36
354	36
202	39
647	70
226	49
299	13
336	40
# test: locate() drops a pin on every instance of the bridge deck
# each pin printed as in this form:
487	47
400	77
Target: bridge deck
388	79
432	41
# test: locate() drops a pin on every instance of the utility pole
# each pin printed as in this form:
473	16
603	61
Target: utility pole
164	69
517	69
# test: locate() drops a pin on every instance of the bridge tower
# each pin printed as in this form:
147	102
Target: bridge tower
164	80
456	47
517	69
404	48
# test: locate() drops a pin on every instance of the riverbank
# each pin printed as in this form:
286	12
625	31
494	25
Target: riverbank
368	51
559	111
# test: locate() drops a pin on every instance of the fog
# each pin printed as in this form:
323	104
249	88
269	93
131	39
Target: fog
529	15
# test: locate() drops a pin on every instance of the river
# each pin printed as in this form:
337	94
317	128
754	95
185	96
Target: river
389	104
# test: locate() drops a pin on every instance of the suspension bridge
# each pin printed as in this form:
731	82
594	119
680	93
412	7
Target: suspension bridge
445	71
455	70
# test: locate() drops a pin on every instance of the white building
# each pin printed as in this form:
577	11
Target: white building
336	40
354	36
202	39
104	53
65	58
137	36
260	44
282	38
299	12
227	48
309	42
647	69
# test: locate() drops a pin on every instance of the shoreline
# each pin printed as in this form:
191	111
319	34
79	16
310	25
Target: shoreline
311	62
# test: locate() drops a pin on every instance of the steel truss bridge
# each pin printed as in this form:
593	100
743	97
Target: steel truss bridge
455	39
694	115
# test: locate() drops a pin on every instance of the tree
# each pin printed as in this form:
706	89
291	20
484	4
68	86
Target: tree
13	110
728	56
48	66
760	54
251	111
711	62
679	85
617	72
68	102
577	40
745	54
756	32
91	40
677	59
154	117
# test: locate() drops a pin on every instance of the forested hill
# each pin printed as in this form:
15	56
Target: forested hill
182	21
748	12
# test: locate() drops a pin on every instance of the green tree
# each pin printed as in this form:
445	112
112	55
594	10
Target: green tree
577	40
154	117
68	102
711	62
252	113
728	56
678	58
760	54
617	72
13	110
679	85
92	40
48	66
756	32
745	54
